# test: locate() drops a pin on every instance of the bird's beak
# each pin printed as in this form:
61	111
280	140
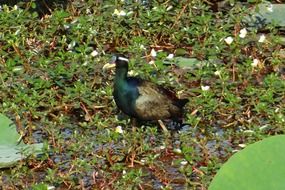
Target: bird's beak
110	65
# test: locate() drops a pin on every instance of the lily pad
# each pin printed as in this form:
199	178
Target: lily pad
266	13
259	166
187	63
11	150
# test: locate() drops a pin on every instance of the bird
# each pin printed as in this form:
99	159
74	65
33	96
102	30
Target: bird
141	99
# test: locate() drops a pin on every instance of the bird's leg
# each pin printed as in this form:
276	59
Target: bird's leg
162	126
134	124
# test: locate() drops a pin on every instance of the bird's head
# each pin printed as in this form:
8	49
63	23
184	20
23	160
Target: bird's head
119	60
116	61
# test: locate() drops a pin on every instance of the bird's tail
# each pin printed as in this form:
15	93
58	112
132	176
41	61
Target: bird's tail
181	102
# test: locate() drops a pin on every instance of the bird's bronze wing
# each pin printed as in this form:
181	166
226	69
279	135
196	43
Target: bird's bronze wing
155	102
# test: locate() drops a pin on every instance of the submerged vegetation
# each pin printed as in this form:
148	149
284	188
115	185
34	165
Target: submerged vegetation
54	87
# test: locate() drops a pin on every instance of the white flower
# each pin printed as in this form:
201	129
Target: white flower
177	150
94	53
132	73
183	162
205	88
119	130
88	11
217	73
15	7
119	13
242	33
151	62
255	63
270	7
85	63
229	40
142	161
170	56
124	174
66	26
162	147
142	47
242	145
116	12
153	53
123	13
71	45
262	38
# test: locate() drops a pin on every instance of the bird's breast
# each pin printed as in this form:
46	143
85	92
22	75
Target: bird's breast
125	98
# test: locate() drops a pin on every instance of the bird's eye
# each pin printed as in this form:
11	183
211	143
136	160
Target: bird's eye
113	59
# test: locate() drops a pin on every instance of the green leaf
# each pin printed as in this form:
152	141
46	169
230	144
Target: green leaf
259	166
11	150
188	63
8	133
40	186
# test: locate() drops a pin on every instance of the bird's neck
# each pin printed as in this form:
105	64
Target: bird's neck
121	75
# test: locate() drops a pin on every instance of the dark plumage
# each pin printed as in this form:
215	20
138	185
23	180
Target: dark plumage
142	99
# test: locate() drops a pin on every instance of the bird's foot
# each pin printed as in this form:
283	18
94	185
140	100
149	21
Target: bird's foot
162	126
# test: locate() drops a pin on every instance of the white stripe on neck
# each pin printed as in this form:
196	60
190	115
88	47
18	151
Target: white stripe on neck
123	59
